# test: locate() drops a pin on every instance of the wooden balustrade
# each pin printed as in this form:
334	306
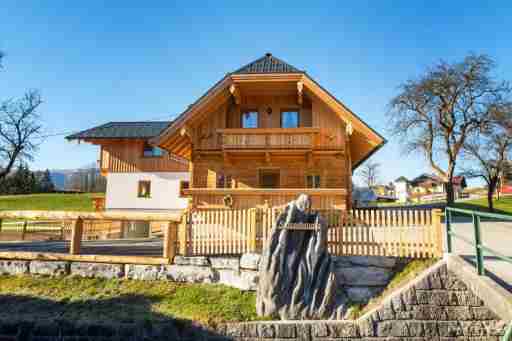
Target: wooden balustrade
269	138
377	232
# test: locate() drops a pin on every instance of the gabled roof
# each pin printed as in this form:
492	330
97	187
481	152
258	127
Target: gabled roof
402	179
268	64
122	130
268	69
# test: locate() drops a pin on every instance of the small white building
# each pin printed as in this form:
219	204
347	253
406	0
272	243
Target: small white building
402	189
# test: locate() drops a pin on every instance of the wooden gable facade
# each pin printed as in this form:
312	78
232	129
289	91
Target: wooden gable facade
266	133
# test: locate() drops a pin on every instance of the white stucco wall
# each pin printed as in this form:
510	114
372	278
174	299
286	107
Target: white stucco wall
402	191
122	191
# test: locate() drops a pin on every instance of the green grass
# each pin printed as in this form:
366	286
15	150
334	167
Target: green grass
48	202
118	301
502	206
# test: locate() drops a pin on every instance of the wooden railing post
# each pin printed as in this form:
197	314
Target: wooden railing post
24	231
182	234
438	230
254	224
170	234
76	237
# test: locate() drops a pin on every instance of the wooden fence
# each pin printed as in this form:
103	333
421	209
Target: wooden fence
379	232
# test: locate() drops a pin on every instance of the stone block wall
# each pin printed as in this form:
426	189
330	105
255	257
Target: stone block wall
436	306
362	276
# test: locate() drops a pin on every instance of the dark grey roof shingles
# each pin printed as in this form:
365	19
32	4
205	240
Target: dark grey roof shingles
268	64
113	130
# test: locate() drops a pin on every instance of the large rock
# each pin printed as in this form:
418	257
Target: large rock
364	276
187	273
297	277
97	270
49	268
13	267
250	261
243	280
197	261
142	272
232	263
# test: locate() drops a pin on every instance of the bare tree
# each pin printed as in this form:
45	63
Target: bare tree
438	112
20	130
491	150
369	173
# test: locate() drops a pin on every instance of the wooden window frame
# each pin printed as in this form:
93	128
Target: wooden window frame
184	184
140	185
243	112
297	110
313	175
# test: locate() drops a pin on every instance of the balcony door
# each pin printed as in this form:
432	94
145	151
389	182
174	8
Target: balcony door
269	178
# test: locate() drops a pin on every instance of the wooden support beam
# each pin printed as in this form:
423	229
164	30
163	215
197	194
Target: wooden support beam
182	234
309	159
169	240
235	92
105	215
227	159
76	237
300	88
268	159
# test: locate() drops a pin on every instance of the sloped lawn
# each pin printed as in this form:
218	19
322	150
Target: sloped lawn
48	202
121	301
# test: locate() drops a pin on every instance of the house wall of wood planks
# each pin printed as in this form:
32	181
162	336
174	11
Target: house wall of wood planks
126	156
226	156
361	232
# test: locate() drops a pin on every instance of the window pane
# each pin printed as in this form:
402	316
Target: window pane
290	119
144	189
313	181
250	119
150	151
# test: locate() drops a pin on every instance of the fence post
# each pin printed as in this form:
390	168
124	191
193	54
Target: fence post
448	221
254	228
76	237
169	240
182	234
0	225
438	230
24	231
478	244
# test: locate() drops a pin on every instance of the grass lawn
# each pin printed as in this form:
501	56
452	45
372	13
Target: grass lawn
502	206
50	202
117	301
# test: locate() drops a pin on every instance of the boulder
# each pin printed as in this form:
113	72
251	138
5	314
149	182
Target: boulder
243	280
13	267
49	268
97	270
250	261
297	277
197	261
364	276
188	273
232	263
142	272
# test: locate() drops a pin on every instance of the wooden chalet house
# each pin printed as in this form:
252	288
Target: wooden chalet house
265	133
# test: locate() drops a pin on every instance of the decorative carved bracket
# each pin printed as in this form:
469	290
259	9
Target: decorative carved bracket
235	92
300	87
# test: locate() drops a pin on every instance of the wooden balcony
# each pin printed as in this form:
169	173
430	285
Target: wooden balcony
269	138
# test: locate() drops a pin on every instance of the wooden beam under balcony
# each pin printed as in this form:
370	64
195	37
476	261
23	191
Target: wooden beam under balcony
265	191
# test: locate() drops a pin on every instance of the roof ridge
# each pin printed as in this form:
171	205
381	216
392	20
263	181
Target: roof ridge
268	64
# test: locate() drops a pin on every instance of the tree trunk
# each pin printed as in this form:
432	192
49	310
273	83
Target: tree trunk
450	195
490	194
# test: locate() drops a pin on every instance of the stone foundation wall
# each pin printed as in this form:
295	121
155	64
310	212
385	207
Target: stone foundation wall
363	277
436	306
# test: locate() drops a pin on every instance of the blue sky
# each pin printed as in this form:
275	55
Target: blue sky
99	61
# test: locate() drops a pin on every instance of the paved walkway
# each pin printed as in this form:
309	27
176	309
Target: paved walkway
496	235
119	247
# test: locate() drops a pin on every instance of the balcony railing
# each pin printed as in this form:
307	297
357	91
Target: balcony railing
269	138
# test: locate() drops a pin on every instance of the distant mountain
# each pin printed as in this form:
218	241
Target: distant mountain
58	179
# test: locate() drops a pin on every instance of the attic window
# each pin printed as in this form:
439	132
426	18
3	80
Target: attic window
151	151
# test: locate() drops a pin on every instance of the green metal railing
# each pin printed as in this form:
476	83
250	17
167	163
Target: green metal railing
477	243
